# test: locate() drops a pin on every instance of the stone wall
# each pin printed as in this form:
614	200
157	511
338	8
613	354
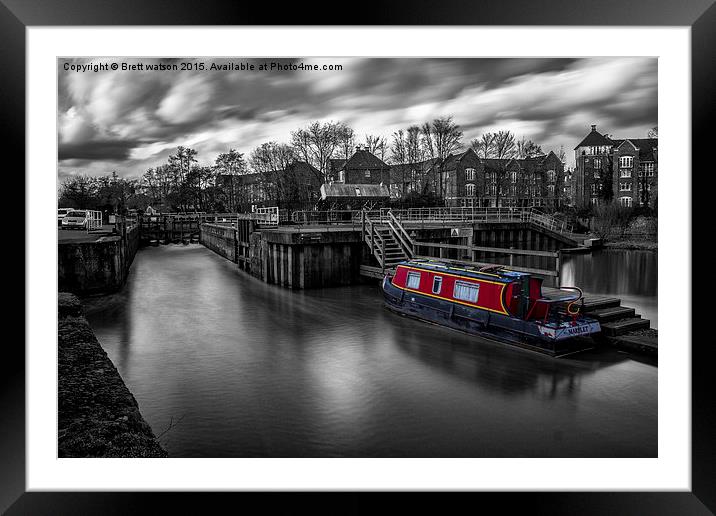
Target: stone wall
96	267
97	415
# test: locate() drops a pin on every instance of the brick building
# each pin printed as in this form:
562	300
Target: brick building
620	170
473	181
363	167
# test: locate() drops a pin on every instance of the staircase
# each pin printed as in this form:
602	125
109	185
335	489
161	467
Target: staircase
387	239
616	320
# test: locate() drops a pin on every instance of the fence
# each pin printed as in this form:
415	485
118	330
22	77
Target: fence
437	216
94	220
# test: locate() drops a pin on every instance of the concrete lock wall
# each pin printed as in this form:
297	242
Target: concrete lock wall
291	259
96	267
220	239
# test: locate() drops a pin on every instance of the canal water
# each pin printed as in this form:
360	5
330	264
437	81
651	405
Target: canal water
224	365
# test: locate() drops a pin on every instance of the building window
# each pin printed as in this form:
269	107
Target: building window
469	174
413	280
595	201
625	172
625	201
648	169
367	173
513	176
625	187
342	176
596	173
437	284
597	162
551	176
469	190
626	162
466	291
550	189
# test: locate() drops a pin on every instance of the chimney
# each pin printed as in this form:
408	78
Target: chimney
594	127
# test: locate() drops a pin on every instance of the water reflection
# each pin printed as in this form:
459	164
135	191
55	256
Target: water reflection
256	370
631	275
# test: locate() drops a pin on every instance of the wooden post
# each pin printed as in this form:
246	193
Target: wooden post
557	265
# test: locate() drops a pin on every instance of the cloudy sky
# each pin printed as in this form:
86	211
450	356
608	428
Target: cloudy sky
129	121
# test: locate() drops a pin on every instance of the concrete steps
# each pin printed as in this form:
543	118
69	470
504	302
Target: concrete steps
622	326
612	313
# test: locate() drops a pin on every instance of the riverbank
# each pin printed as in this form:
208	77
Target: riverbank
98	416
640	245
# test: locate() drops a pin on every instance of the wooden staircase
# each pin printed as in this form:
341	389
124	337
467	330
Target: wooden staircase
387	240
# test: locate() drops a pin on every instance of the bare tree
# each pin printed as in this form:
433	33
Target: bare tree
562	155
441	138
376	145
528	149
316	144
346	141
484	146
653	132
272	161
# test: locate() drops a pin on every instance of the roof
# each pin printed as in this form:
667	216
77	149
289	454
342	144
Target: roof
452	159
502	274
594	139
354	191
402	170
336	164
363	159
646	147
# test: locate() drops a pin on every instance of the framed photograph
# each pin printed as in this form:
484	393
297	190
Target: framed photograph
383	256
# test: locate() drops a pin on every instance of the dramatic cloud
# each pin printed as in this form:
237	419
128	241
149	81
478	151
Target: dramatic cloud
129	121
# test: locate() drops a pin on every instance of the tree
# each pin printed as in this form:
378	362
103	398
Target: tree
230	164
484	146
653	132
346	141
505	149
316	144
528	149
407	149
441	137
273	161
376	145
562	155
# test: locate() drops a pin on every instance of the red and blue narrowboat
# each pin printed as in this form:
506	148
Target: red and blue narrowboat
493	302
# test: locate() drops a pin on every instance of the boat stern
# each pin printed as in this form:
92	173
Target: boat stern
583	327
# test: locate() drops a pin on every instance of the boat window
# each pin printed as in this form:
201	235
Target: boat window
466	291
437	284
413	280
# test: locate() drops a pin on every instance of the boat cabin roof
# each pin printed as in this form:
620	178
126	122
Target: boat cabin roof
469	271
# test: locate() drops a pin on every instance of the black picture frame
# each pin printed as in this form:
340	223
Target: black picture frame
700	15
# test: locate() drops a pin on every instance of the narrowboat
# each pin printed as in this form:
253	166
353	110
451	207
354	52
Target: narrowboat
492	302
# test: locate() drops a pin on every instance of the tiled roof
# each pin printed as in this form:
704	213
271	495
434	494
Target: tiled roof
363	159
646	147
594	139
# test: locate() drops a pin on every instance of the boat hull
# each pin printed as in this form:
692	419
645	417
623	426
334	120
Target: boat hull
553	341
